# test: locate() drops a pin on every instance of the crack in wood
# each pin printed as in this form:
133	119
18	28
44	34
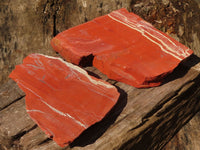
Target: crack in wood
21	133
18	99
44	141
158	119
71	14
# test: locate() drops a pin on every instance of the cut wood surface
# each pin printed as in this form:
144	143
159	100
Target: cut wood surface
141	119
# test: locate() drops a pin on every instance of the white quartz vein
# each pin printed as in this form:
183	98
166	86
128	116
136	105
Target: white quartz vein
54	109
64	114
34	66
90	84
137	27
87	42
35	110
80	70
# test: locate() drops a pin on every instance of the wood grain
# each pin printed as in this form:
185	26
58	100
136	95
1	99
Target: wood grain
142	118
28	26
188	137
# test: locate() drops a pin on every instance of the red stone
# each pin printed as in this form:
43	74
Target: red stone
126	48
62	98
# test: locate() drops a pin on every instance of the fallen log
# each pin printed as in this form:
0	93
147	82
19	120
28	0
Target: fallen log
141	119
188	137
41	20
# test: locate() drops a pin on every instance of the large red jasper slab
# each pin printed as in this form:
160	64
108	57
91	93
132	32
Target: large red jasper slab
62	98
126	48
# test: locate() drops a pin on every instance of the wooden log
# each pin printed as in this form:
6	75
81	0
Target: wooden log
7	96
188	137
181	20
28	26
142	118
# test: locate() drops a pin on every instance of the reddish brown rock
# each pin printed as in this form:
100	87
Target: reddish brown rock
126	48
62	98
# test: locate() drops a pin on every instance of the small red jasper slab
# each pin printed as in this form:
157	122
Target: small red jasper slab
125	47
61	97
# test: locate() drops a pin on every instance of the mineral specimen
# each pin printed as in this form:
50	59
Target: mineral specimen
125	47
61	97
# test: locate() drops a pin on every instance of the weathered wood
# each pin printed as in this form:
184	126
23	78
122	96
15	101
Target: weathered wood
179	18
14	122
188	137
10	93
28	26
142	118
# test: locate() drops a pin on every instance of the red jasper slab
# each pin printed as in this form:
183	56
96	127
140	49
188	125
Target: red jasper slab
126	48
61	97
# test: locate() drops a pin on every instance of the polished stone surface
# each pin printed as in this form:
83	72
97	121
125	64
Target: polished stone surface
125	47
61	97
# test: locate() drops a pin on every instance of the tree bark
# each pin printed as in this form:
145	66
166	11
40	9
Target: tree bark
180	19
